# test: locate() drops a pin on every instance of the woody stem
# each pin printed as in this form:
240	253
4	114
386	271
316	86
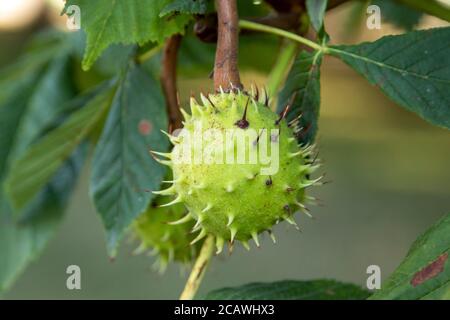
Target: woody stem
226	72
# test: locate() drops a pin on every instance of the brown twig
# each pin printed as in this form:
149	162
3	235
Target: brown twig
169	80
226	72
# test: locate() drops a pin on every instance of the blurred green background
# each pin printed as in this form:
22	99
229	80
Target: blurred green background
390	180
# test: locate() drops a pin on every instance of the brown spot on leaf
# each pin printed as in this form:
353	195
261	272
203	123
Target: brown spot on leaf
430	271
145	127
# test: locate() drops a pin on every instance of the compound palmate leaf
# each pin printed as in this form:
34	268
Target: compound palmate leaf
425	272
291	290
412	69
123	169
302	92
34	84
128	22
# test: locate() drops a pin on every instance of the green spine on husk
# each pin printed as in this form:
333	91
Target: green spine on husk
234	201
162	234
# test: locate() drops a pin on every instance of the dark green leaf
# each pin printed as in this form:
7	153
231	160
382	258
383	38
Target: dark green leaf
11	265
42	49
185	6
425	272
398	14
122	167
291	290
35	89
412	69
34	169
49	95
303	84
135	21
11	112
437	8
21	243
316	11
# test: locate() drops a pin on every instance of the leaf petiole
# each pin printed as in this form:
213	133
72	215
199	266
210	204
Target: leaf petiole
244	24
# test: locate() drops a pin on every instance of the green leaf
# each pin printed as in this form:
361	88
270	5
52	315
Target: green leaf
412	69
50	93
303	84
34	169
185	6
122	167
135	21
399	14
425	272
42	49
316	11
291	290
9	120
11	112
437	8
33	90
21	243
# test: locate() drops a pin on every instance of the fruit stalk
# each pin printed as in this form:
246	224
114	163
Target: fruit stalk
226	72
198	271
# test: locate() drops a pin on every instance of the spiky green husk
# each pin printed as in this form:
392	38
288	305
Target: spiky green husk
161	232
233	201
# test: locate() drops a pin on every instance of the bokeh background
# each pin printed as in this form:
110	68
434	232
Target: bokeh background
389	173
